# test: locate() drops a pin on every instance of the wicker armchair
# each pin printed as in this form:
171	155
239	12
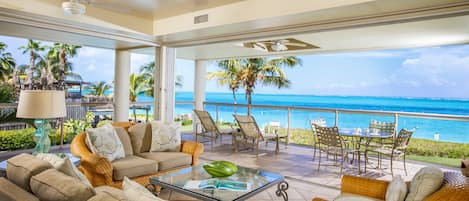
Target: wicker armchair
455	187
99	170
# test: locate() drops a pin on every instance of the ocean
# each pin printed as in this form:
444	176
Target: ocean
452	131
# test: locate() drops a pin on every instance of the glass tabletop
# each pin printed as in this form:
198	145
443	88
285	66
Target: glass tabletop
258	180
352	132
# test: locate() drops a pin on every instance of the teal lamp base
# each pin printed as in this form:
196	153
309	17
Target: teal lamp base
42	136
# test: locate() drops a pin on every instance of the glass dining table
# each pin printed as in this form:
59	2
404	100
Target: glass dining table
360	137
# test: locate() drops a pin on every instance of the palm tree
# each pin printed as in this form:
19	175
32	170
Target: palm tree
33	48
7	64
138	86
230	74
148	71
259	71
98	88
58	54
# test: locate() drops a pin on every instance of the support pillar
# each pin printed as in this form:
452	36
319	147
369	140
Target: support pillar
121	85
200	74
164	94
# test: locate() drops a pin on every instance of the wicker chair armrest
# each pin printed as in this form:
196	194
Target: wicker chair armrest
363	186
193	148
318	199
97	169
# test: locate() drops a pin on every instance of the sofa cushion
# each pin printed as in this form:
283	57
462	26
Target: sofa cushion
64	165
136	192
53	185
165	136
109	193
425	182
140	136
133	166
168	160
12	192
125	140
21	168
353	197
397	189
105	142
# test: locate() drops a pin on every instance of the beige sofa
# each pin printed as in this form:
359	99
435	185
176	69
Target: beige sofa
139	163
32	179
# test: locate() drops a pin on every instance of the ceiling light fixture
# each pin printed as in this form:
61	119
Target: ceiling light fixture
278	46
72	7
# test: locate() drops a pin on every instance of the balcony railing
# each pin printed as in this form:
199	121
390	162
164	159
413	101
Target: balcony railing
427	125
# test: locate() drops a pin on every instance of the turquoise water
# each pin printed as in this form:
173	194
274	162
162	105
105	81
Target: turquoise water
453	131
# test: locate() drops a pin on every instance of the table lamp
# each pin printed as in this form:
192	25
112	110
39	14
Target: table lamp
41	105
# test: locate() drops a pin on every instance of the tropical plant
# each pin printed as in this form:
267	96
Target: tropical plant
230	74
58	56
255	71
148	71
138	85
7	94
33	48
7	64
98	88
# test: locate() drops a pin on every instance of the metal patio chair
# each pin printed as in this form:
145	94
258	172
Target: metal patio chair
252	135
320	122
207	128
397	150
330	142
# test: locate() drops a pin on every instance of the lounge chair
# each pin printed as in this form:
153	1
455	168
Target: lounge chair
209	129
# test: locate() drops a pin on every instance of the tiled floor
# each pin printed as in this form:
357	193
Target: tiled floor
296	164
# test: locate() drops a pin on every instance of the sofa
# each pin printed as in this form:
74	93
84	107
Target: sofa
32	179
140	165
455	187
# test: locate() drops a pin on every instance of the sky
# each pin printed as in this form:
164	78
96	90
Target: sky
432	72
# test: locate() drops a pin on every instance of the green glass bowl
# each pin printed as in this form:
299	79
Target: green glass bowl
221	168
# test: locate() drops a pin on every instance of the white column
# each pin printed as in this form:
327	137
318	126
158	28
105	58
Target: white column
165	77
200	77
121	85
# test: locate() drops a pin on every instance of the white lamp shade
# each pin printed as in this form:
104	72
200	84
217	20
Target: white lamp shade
41	104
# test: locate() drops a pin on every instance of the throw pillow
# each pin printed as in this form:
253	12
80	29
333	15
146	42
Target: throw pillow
125	140
136	192
65	166
424	183
397	189
105	142
165	136
140	137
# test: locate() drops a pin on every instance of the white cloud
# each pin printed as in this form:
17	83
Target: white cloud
91	67
138	60
93	52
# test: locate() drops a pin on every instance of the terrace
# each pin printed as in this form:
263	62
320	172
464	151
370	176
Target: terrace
214	30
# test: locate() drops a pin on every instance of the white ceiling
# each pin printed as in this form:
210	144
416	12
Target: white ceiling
443	31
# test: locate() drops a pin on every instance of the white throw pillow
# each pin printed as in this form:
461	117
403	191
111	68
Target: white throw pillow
65	165
165	136
136	192
105	142
397	189
424	183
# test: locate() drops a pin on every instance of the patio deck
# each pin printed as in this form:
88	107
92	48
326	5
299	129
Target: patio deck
296	164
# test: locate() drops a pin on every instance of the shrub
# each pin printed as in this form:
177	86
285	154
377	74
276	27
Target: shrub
24	139
6	94
17	139
186	122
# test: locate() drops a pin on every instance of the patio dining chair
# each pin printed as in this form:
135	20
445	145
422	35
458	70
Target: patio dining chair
209	129
252	135
330	142
397	151
320	122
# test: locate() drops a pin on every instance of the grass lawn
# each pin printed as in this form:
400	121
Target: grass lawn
451	162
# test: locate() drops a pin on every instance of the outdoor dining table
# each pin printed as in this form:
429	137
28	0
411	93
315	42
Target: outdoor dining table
362	134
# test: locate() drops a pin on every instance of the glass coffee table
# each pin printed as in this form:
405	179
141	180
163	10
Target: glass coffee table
257	179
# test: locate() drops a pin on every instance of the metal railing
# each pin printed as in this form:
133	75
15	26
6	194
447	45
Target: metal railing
395	115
